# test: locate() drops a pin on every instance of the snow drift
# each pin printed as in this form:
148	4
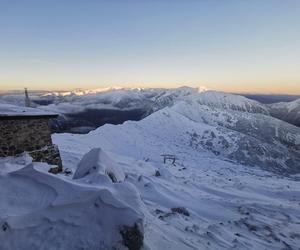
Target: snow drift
39	210
97	161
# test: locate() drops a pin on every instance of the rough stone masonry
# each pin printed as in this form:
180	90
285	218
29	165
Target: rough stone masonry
31	134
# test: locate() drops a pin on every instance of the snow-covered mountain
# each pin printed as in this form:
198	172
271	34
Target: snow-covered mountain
227	125
234	184
227	101
287	111
228	131
113	98
81	111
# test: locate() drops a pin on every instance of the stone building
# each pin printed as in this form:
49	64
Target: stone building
24	129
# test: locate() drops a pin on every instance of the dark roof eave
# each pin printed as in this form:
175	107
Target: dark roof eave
26	117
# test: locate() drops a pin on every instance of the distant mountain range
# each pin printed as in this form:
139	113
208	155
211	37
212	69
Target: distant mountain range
271	98
82	111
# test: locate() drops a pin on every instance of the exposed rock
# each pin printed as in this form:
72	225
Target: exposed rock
67	172
180	210
132	237
5	226
55	170
157	173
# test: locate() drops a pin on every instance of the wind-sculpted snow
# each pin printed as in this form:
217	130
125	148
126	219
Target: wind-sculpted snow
97	161
41	211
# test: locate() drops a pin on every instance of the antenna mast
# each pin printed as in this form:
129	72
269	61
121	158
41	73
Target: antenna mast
27	100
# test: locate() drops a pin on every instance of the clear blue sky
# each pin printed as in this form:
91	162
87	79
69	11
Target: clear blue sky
232	45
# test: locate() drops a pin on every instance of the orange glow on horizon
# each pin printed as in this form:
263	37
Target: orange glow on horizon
247	87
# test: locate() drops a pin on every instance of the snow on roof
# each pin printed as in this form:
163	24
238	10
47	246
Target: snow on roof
8	110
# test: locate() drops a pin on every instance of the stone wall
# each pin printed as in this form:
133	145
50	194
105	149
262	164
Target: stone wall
49	154
17	136
31	135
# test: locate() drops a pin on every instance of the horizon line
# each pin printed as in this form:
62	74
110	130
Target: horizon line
129	88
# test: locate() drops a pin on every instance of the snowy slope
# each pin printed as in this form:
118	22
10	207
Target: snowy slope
219	194
230	101
287	111
247	138
229	206
252	139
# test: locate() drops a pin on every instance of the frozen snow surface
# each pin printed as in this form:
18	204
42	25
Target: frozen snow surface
39	210
234	185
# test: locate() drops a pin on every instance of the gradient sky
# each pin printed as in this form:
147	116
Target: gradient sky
230	45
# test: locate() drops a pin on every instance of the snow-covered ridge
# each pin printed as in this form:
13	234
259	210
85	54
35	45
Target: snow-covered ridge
80	92
228	160
290	106
287	111
223	100
77	109
114	98
253	139
155	99
152	99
